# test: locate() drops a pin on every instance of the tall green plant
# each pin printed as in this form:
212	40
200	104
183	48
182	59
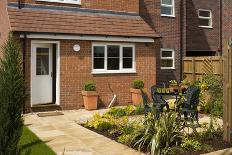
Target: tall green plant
158	134
12	97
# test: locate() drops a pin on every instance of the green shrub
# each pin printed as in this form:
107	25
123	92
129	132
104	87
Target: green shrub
12	97
90	86
214	105
130	110
191	145
99	123
116	112
138	84
158	134
125	139
139	110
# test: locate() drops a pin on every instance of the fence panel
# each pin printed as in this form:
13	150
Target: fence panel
196	67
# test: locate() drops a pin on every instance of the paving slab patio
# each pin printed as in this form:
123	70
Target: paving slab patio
63	134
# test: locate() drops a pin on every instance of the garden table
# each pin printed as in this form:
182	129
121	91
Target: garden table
167	94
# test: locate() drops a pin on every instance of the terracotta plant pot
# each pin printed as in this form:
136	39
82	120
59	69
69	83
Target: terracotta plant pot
90	99
136	96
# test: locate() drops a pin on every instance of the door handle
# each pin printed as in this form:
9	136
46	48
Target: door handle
51	74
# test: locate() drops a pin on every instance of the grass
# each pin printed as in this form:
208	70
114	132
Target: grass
30	144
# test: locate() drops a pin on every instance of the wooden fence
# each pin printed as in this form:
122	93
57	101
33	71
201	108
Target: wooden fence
227	82
195	67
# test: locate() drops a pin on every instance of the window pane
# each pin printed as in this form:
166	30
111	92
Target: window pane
99	51
204	13
113	51
169	2
113	64
127	52
98	63
42	61
127	63
166	53
166	10
166	63
204	22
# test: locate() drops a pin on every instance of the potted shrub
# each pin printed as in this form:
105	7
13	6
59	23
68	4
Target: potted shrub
136	92
90	96
173	86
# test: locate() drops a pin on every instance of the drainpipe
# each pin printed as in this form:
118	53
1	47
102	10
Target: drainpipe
181	37
19	4
24	64
220	29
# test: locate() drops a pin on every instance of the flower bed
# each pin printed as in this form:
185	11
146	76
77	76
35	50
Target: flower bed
163	136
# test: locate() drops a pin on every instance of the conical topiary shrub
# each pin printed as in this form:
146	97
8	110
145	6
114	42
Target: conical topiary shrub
12	97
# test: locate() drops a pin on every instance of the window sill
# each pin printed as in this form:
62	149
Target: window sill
170	16
114	72
57	1
206	27
168	68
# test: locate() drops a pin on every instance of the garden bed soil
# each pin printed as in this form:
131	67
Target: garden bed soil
215	144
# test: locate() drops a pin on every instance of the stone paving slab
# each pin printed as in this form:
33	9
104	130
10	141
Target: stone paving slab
63	133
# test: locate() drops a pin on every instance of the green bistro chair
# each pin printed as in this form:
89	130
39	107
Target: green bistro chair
189	106
146	102
158	102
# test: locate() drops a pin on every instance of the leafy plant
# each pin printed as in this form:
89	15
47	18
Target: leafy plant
12	97
139	110
90	86
191	145
158	134
138	84
99	123
173	83
116	112
214	85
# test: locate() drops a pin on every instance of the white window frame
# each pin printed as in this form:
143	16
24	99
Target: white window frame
209	18
63	1
121	69
171	6
167	58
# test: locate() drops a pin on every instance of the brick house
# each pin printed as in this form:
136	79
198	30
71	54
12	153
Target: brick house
67	43
187	28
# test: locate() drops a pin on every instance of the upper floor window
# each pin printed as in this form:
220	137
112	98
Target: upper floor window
167	59
205	18
63	1
168	8
113	58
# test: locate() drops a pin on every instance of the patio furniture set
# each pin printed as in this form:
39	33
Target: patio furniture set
186	102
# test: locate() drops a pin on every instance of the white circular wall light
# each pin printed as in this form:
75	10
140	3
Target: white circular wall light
76	48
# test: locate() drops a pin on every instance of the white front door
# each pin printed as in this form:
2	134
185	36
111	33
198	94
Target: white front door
41	73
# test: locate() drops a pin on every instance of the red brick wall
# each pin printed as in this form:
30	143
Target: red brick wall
115	5
76	70
4	24
202	38
169	29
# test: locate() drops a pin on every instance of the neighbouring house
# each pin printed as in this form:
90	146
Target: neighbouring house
203	28
165	17
187	28
66	43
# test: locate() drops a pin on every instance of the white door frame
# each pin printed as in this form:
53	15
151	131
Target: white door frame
57	66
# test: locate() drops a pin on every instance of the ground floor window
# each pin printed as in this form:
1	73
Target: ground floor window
167	59
113	58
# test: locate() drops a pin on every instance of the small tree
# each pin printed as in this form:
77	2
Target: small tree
12	97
